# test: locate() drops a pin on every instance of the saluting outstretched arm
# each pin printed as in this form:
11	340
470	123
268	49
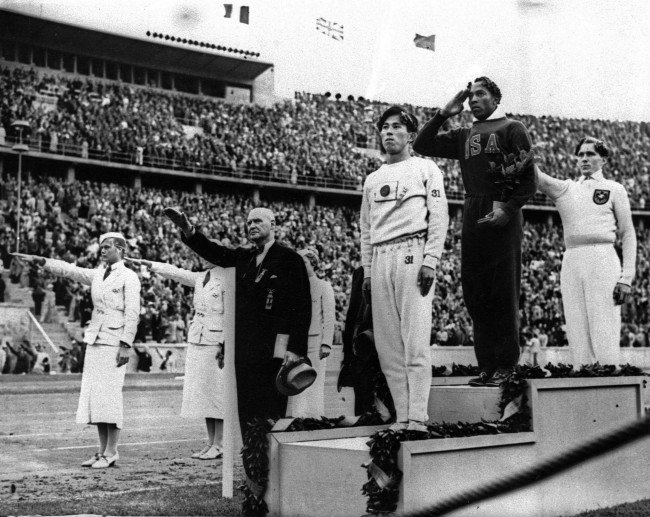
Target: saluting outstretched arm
60	268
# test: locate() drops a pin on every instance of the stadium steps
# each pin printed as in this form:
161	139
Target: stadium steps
57	333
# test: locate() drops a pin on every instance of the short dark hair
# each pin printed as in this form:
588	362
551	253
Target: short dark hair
601	148
490	86
408	119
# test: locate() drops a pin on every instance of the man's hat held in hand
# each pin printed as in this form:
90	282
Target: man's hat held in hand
295	378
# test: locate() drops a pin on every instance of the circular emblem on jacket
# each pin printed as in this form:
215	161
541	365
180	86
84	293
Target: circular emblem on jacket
384	191
601	196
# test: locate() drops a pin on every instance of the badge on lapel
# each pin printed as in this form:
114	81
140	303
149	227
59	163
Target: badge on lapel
260	276
601	196
269	299
116	291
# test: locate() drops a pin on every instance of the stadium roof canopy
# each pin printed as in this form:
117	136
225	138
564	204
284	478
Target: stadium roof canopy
140	52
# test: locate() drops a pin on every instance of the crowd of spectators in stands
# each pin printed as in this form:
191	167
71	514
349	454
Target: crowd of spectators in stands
18	354
311	139
64	221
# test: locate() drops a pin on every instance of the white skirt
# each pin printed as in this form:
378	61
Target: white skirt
203	384
100	400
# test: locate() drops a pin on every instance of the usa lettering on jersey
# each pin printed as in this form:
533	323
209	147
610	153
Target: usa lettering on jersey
473	145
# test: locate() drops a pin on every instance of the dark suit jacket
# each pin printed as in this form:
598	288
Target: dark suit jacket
272	298
357	320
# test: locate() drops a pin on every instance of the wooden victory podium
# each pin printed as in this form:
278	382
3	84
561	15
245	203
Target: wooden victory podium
320	473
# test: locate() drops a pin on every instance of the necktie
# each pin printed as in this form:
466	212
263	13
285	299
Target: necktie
258	255
206	279
107	272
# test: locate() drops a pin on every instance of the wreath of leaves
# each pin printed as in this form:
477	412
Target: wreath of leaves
457	370
255	455
384	445
255	458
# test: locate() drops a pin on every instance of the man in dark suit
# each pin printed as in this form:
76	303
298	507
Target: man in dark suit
352	368
360	368
272	309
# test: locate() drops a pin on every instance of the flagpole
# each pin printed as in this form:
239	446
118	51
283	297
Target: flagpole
231	436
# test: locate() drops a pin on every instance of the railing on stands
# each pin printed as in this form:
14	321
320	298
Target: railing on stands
76	151
35	328
36	335
154	162
64	148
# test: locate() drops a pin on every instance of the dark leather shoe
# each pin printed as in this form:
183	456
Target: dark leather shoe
481	380
499	377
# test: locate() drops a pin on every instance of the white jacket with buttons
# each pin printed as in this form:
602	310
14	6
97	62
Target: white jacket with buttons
322	310
206	327
116	300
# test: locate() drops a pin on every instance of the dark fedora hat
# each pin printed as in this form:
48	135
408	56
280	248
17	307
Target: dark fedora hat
295	378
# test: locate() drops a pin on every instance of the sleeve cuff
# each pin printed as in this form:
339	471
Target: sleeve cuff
430	261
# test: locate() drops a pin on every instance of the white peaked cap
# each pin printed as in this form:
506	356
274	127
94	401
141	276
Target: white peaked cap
112	235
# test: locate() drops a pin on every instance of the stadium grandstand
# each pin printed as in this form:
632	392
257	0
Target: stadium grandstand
129	126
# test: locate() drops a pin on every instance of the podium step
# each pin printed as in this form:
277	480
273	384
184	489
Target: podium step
565	412
463	403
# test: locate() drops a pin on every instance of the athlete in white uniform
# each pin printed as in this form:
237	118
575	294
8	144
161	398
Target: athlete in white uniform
404	219
593	211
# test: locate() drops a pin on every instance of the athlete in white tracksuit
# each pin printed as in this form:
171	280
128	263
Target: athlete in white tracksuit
593	211
404	220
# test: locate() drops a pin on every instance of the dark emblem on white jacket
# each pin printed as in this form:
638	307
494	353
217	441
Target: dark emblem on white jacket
601	196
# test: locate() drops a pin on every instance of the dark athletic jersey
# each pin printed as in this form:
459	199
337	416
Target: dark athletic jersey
475	147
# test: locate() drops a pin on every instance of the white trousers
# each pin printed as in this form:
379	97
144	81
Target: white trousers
311	402
402	325
593	321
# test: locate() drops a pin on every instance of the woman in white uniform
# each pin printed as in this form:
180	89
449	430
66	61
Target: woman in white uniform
311	402
115	291
203	384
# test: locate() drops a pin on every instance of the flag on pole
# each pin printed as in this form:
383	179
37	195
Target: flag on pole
244	13
332	29
425	42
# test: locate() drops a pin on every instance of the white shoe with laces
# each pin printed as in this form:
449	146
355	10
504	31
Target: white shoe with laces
205	449
91	461
398	426
212	453
103	462
418	427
